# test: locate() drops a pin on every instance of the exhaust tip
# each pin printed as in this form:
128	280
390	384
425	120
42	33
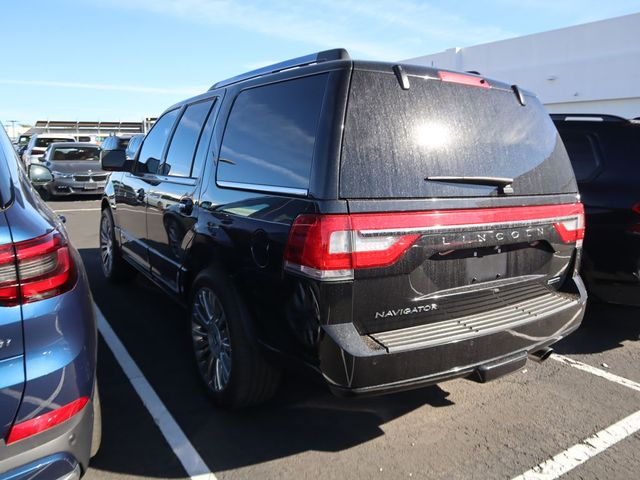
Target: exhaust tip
541	355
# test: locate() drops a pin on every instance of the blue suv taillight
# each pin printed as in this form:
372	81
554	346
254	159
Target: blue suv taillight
35	269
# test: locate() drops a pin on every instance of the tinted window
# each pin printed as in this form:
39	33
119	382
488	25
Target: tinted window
75	154
581	148
271	133
153	146
45	142
185	139
203	145
395	138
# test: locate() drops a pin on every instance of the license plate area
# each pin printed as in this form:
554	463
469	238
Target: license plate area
484	267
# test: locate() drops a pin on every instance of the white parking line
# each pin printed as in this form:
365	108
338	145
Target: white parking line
77	210
597	372
583	451
595	444
190	459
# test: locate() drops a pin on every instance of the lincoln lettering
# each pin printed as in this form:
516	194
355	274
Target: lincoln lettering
499	236
429	307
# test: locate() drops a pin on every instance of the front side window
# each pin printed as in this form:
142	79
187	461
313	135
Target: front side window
185	139
271	132
150	156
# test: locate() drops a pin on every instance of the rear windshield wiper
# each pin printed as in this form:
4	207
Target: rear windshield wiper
503	183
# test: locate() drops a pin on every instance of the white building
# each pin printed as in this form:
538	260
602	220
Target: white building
589	68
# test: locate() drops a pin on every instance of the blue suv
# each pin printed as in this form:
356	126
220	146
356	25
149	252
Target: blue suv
49	404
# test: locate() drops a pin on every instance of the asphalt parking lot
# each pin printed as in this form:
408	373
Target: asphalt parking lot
457	429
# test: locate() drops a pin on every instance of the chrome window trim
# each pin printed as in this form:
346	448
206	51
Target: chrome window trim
302	192
478	226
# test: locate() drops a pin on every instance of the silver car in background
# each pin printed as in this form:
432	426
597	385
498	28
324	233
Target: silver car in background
76	170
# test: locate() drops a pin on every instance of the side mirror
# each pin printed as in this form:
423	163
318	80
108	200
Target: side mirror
39	174
113	160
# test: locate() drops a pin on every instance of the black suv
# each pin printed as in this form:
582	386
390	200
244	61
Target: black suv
605	153
388	226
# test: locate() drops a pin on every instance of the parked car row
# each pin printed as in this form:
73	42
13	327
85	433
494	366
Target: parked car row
32	147
73	168
316	213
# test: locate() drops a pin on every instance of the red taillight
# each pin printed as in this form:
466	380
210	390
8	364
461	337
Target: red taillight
35	269
635	227
464	79
43	422
571	230
331	247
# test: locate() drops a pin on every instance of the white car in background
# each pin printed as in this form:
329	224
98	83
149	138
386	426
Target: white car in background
38	144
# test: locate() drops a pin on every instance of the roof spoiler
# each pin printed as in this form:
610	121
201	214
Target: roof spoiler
586	117
324	56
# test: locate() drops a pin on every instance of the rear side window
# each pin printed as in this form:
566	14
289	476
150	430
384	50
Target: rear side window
583	152
270	135
185	139
394	139
153	146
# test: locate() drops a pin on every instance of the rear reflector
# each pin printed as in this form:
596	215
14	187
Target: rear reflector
635	227
331	247
43	422
463	79
35	269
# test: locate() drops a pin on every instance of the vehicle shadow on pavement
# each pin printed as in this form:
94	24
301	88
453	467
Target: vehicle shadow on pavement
303	416
605	327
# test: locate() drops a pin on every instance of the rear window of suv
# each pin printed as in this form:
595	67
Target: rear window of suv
396	138
45	142
270	136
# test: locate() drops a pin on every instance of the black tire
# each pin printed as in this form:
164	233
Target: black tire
96	436
114	267
222	340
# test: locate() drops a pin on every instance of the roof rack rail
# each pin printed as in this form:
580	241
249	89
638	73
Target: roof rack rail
587	117
324	56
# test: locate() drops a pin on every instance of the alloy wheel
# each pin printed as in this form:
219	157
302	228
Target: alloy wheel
106	244
211	339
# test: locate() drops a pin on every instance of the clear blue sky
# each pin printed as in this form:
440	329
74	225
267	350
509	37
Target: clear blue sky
126	59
